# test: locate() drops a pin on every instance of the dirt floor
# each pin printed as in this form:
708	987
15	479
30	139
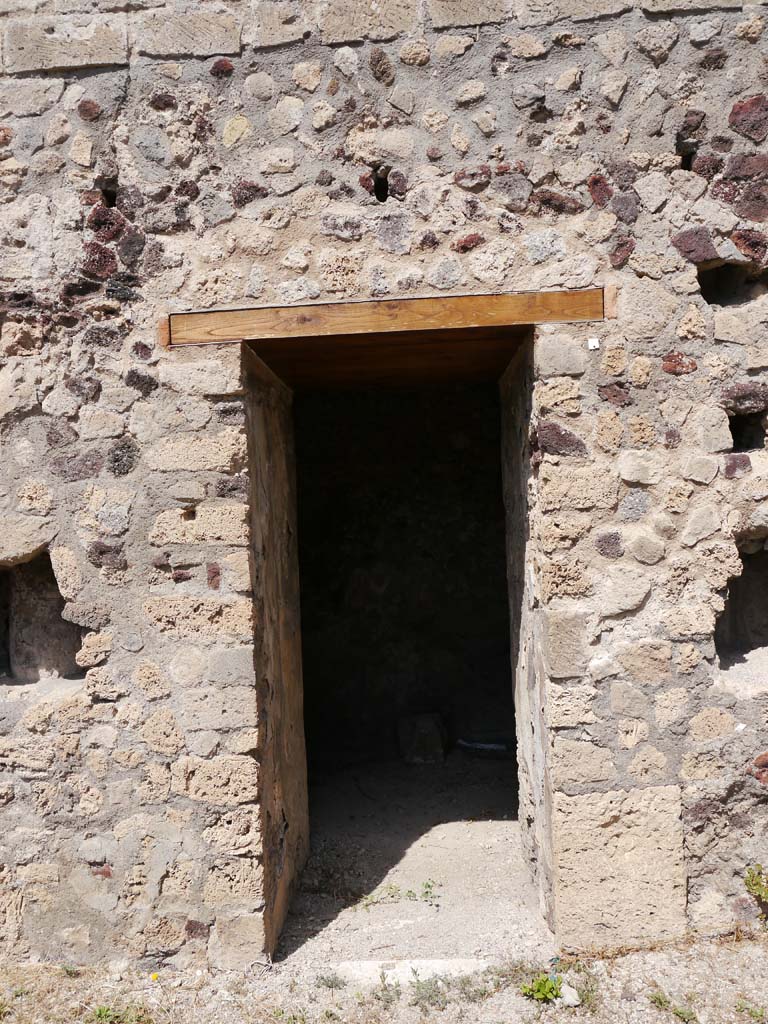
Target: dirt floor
415	907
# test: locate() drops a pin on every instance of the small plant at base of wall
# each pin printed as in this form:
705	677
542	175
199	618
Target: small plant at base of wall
756	884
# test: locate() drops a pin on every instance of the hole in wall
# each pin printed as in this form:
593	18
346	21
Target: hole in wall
35	641
741	630
747	431
381	183
731	284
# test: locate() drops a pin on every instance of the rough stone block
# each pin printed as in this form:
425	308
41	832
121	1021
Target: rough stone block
564	643
557	355
237	942
342	22
277	22
201	619
619	868
221	781
195	33
42	44
579	763
205	524
544	12
576	489
206	707
224	452
453	13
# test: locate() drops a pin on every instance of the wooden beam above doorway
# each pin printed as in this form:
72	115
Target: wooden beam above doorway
341	319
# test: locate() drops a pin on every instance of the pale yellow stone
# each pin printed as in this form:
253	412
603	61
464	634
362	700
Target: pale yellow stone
150	680
648	764
235	130
631	732
95	648
609	430
618	867
579	762
161	733
201	619
67	572
711	724
640	371
226	781
614	361
204	524
670	706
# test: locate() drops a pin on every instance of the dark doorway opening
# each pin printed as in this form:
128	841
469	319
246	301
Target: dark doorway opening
747	431
403	570
405	547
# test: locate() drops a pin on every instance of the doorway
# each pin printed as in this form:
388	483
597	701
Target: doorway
407	496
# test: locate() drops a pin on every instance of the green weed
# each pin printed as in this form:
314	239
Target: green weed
544	988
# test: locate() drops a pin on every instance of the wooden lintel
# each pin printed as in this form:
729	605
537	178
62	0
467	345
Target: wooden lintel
384	315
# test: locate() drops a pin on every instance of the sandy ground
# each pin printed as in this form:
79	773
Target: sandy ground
416	906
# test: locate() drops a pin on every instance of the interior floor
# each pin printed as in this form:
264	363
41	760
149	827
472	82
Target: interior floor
415	863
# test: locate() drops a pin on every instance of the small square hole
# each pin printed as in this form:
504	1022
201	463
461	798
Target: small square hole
747	431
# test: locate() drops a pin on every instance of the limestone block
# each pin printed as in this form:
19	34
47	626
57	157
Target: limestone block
206	707
702	469
622	591
571	705
26	97
579	762
544	12
702	522
640	467
26	754
454	13
95	649
686	6
22	537
43	44
224	452
224	781
564	643
237	942
558	355
689	621
619	873
221	376
235	882
711	724
196	33
204	524
201	619
67	572
342	22
647	548
276	23
710	429
645	309
162	734
564	488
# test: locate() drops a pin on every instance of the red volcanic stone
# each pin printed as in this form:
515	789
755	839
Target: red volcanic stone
397	184
695	244
759	768
558	202
746	166
745	398
102	871
753	244
89	110
714	59
672	438
616	394
610	545
749	117
600	189
468	242
678	364
99	261
707	166
366	180
106	223
473	177
726	191
434	152
737	465
188	189
556	440
753	203
213	575
245	192
196	929
222	68
163	101
622	251
6	134
428	240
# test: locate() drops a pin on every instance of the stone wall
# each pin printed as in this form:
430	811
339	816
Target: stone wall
155	157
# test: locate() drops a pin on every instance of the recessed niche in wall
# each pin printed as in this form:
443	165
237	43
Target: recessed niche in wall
741	630
731	284
35	641
747	431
